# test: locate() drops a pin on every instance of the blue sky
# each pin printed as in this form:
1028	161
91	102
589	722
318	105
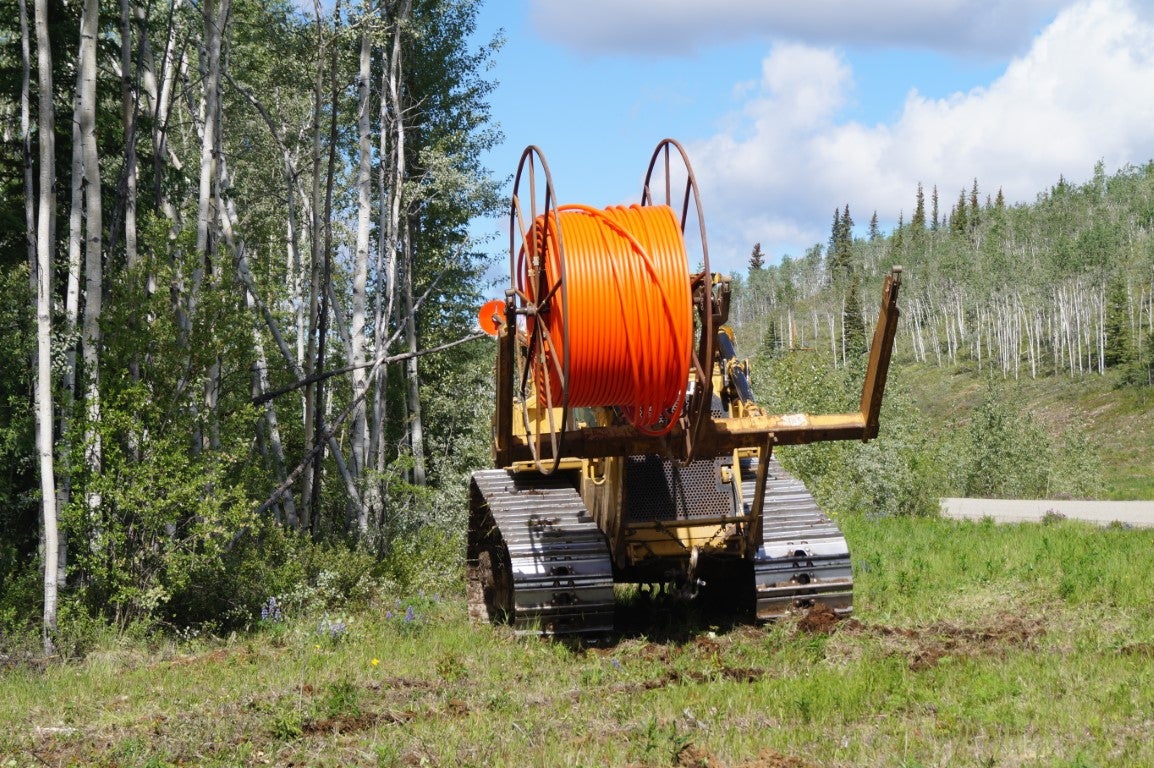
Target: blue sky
788	112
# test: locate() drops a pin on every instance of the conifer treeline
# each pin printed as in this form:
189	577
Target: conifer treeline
1064	285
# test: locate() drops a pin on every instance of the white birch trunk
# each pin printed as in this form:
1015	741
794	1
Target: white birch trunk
412	373
26	142
44	242
385	290
832	339
935	338
310	406
158	93
393	126
358	338
214	15
1031	344
71	328
128	97
93	256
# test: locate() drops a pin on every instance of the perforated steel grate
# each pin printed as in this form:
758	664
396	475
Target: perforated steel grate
658	489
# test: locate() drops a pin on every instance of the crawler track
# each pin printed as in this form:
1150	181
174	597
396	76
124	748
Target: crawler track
535	557
803	559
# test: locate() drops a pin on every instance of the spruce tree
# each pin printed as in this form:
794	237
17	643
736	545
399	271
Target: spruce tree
975	210
1119	349
840	254
959	221
834	233
756	258
855	337
771	343
918	222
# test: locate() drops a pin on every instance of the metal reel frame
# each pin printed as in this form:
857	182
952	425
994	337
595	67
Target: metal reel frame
666	159
536	295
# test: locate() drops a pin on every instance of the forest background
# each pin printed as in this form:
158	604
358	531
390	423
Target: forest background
238	297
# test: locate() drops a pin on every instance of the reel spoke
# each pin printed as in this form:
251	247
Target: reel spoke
676	175
538	280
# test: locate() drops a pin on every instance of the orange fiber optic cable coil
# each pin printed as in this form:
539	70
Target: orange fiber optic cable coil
630	310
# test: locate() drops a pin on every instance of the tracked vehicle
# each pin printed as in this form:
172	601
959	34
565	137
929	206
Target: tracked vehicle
628	447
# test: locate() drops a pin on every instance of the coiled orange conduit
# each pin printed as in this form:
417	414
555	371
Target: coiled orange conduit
630	310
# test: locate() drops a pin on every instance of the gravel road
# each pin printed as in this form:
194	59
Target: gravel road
1138	514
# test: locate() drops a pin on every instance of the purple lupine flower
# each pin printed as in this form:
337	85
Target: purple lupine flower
271	611
335	630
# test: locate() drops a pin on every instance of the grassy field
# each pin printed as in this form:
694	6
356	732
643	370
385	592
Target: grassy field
971	645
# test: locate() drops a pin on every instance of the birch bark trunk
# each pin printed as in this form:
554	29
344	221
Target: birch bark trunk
412	373
393	177
44	239
358	338
124	209
93	255
311	392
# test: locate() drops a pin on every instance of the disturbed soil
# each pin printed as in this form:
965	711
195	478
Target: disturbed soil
926	646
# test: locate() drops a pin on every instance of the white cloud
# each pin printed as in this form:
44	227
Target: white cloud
1082	92
678	27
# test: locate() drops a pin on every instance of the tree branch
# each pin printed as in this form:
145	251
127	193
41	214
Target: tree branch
264	398
332	428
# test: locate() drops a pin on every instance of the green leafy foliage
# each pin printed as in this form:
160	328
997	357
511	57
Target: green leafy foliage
902	472
18	482
162	487
999	451
1006	453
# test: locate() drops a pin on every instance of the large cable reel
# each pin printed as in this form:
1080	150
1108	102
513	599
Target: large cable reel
608	311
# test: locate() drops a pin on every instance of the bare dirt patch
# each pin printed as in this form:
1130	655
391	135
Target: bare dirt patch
1144	650
692	756
769	758
345	724
818	620
925	647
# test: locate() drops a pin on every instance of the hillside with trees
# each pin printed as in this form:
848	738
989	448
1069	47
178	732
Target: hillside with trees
1024	357
1062	286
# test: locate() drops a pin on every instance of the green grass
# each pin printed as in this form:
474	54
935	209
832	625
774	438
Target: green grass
971	645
